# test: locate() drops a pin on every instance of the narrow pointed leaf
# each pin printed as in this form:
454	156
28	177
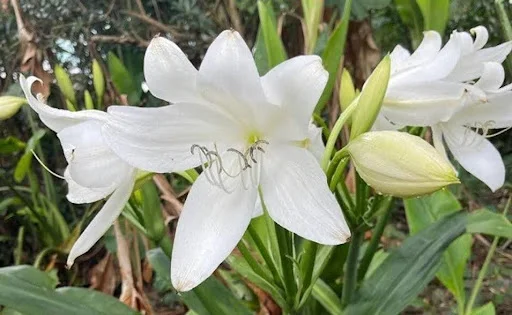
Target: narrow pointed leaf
273	44
487	222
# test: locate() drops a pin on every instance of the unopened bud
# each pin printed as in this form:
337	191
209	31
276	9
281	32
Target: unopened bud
9	106
400	164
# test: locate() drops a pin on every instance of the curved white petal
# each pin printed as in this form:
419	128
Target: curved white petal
56	119
91	162
169	74
496	112
492	77
466	42
79	194
104	219
316	144
431	69
297	197
481	37
422	104
471	66
160	139
426	51
210	226
398	57
228	78
476	154
437	139
296	84
382	123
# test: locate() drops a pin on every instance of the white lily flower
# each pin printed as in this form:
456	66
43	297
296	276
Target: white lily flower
253	133
94	171
466	132
430	85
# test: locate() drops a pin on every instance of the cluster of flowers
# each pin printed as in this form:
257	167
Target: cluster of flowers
253	137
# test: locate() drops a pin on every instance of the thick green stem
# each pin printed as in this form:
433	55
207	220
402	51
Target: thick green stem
166	245
308	263
506	26
285	250
374	242
255	266
338	174
350	275
336	129
485	266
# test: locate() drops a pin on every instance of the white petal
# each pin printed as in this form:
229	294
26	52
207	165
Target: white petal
80	194
466	42
426	51
471	66
316	145
296	84
56	119
437	139
104	219
422	104
432	69
382	123
169	74
228	78
297	197
210	226
476	154
492	77
398	57
160	139
91	162
481	37
496	112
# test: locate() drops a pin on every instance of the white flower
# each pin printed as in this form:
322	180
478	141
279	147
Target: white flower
94	171
253	132
435	87
466	132
430	85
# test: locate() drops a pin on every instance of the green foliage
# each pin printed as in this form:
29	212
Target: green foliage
268	29
408	269
123	80
29	291
491	223
327	297
65	84
435	14
424	211
25	161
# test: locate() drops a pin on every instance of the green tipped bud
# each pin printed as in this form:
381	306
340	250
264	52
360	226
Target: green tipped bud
400	164
70	106
64	83
371	99
98	81
347	89
10	105
89	104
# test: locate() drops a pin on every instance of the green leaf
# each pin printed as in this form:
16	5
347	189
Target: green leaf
25	161
408	269
487	309
327	297
89	104
29	291
152	212
370	99
333	54
65	84
273	44
122	79
410	14
435	14
210	297
98	81
487	222
424	211
11	145
313	12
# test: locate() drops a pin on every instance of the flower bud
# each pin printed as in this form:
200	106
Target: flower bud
347	90
65	84
400	164
98	80
9	106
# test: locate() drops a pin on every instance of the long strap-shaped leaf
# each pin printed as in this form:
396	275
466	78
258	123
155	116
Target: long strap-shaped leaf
408	269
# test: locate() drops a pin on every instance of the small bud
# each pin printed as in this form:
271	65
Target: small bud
400	164
89	104
99	81
64	83
347	90
9	106
370	100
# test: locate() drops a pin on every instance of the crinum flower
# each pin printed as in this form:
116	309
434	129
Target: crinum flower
435	87
93	172
249	133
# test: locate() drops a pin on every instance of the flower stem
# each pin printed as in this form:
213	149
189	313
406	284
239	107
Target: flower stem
285	250
374	242
255	266
331	141
166	245
485	266
308	263
350	275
